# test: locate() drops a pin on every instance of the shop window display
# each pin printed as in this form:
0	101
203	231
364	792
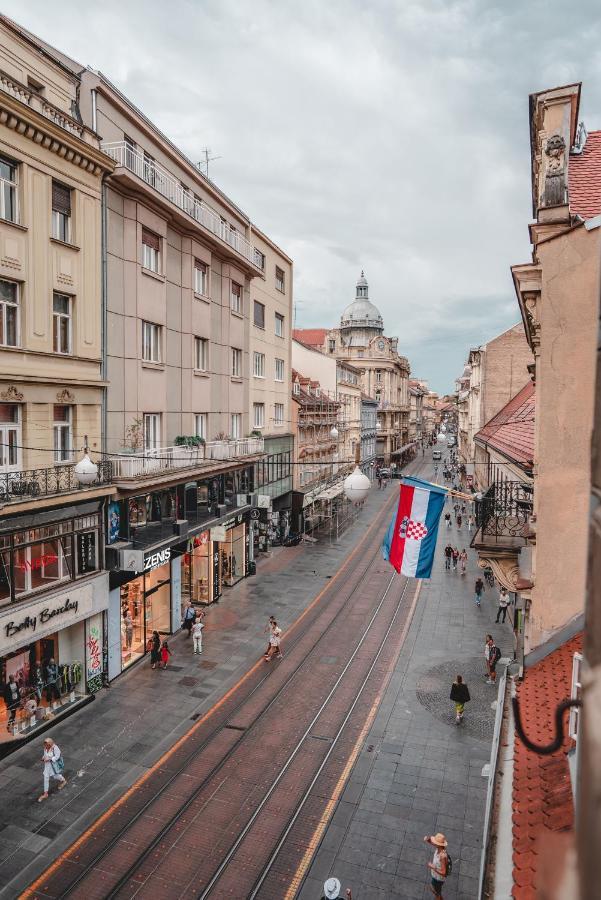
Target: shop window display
36	687
197	570
231	556
132	621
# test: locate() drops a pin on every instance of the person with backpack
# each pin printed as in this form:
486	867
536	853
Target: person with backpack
494	655
460	695
53	767
441	865
448	555
478	591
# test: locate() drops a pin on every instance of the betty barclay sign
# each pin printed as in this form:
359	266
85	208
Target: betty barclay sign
24	625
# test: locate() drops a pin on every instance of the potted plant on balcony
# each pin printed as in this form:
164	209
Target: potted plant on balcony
191	444
134	437
255	433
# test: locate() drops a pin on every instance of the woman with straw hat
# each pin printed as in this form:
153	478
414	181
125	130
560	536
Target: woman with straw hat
439	867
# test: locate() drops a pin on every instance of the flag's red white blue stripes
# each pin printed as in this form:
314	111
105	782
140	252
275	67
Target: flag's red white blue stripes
410	541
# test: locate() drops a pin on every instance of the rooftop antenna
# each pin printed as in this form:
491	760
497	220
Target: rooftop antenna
203	164
297	303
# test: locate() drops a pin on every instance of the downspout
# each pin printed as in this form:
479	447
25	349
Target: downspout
104	325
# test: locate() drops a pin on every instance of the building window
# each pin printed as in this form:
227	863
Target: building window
61	323
201	278
258	365
10	437
149	170
279	413
280	279
259	314
236	363
201	425
63	437
236	298
151	342
331	346
236	426
201	354
152	431
258	415
151	251
61	212
8	190
9	314
130	152
260	260
296	388
279	325
279	370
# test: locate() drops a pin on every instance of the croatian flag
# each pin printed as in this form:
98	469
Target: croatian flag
410	541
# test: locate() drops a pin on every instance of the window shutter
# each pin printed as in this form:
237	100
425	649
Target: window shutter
151	240
61	198
200	265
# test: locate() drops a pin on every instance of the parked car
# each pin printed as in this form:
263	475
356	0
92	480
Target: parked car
436	454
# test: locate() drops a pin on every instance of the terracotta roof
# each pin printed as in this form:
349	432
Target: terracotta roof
584	178
542	791
511	431
313	337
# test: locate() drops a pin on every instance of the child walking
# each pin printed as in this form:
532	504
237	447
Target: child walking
165	654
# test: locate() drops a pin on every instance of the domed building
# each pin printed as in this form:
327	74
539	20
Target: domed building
360	340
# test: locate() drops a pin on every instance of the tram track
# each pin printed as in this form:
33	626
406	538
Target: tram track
51	884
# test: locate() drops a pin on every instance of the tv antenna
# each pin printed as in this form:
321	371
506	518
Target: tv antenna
203	164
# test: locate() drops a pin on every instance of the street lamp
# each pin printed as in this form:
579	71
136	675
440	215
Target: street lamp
357	484
334	433
441	438
86	471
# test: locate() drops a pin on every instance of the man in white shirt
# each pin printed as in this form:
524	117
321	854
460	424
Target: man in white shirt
503	604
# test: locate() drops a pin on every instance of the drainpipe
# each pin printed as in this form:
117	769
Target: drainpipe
94	112
104	291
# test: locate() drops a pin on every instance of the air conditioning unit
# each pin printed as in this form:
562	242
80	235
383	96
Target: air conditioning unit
242	499
131	560
180	527
254	500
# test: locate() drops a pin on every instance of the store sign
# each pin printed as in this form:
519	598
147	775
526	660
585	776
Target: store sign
216	587
263	501
86	552
22	626
218	533
157	559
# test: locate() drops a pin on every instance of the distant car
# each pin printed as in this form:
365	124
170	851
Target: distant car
436	454
384	473
451	441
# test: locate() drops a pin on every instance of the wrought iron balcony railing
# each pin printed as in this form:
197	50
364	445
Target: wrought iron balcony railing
145	463
28	484
503	511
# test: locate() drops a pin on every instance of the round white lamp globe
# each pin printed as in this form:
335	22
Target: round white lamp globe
356	486
334	432
441	438
86	471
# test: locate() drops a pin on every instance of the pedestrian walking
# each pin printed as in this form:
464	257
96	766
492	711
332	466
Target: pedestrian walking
189	617
197	635
379	482
154	645
463	560
455	558
459	521
447	518
478	591
12	698
274	642
470	522
165	654
448	555
53	767
332	888
503	604
493	655
460	696
267	630
440	866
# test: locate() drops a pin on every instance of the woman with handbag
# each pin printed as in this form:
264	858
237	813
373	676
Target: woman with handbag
154	645
53	767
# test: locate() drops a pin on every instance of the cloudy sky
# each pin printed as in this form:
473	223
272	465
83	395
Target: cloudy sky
390	135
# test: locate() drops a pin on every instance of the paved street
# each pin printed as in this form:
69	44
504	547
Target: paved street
418	772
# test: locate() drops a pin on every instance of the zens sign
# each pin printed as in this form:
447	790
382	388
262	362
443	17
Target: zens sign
157	559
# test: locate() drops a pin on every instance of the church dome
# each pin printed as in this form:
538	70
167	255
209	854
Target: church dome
361	313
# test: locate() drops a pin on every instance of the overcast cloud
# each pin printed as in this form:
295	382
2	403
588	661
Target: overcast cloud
390	136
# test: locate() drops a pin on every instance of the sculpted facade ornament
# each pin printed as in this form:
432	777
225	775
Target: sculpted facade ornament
65	396
554	193
531	308
12	395
505	568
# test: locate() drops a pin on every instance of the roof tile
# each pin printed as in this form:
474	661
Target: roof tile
511	431
584	178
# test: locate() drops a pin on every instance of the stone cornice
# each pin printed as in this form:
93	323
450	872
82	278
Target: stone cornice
41	130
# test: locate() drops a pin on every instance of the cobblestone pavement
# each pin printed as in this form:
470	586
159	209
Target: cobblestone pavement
418	772
113	740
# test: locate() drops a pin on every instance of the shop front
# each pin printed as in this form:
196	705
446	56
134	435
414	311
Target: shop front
217	558
52	657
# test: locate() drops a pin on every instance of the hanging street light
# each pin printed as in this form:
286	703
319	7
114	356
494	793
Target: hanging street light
441	438
334	433
357	484
86	471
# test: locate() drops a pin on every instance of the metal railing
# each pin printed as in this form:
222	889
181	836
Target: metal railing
141	463
32	483
30	98
504	510
131	158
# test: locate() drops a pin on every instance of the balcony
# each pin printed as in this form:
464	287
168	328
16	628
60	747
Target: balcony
32	99
163	460
34	484
502	516
130	158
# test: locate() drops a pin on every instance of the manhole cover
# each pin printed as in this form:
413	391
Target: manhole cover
188	681
434	686
207	664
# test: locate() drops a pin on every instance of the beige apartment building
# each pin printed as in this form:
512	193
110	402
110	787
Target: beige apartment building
349	425
360	340
52	388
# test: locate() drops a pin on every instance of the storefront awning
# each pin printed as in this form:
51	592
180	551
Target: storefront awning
334	491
